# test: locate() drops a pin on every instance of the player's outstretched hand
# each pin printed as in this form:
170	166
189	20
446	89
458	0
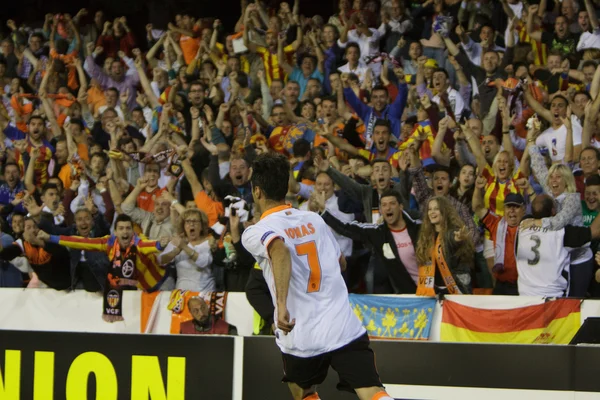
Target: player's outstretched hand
283	320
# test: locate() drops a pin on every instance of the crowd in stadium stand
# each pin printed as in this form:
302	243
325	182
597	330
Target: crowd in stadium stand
451	146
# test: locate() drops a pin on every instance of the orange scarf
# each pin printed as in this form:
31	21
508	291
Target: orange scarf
36	255
427	272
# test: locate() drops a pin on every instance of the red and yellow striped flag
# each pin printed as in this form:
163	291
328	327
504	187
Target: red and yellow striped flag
553	322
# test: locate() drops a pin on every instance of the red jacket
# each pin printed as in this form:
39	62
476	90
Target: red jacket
219	327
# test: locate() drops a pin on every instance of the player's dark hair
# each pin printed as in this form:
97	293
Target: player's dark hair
78	122
270	172
593	180
392	193
383	122
123	218
352	45
301	148
47	187
379	88
37	117
379	160
114	89
8	164
442	70
563	98
589	63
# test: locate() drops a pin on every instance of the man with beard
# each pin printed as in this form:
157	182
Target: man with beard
503	232
49	261
133	261
196	95
154	224
88	268
393	242
25	142
204	323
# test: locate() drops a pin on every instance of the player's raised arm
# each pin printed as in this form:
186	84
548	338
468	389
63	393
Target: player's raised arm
282	272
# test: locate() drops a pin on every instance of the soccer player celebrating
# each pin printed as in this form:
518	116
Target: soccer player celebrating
301	262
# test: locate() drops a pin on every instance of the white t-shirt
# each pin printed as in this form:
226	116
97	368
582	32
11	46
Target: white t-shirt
406	251
457	104
555	140
589	40
360	71
317	296
194	275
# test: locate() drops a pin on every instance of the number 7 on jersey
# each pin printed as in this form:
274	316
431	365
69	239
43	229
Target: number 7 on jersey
309	249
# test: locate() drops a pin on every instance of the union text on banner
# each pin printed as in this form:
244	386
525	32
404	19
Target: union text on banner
553	322
394	318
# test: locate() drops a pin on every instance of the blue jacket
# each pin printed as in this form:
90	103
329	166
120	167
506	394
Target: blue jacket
392	112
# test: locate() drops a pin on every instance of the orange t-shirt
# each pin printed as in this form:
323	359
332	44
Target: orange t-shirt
96	98
213	209
145	200
189	46
65	175
510	273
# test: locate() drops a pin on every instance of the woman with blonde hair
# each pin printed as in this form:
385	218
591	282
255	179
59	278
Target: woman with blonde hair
191	254
444	251
502	175
559	182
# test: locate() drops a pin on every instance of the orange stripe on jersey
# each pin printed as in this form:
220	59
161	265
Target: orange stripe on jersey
313	396
274	210
380	395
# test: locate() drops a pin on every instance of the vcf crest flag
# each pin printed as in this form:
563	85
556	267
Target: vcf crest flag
394	318
553	322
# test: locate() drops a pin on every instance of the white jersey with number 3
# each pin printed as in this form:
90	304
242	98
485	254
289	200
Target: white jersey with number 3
543	262
317	296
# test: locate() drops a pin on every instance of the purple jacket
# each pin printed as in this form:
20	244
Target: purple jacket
130	82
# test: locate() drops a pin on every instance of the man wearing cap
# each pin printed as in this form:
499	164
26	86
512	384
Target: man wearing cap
503	232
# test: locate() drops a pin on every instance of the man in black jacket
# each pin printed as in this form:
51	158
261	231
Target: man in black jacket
88	269
393	243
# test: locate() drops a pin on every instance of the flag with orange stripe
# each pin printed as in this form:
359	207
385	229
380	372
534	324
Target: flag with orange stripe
553	322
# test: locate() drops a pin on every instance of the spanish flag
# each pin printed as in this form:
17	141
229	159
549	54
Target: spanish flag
554	322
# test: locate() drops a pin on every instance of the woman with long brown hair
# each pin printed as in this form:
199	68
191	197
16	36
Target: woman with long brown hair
444	251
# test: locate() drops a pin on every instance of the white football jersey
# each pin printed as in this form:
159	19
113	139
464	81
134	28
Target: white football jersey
543	262
317	296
